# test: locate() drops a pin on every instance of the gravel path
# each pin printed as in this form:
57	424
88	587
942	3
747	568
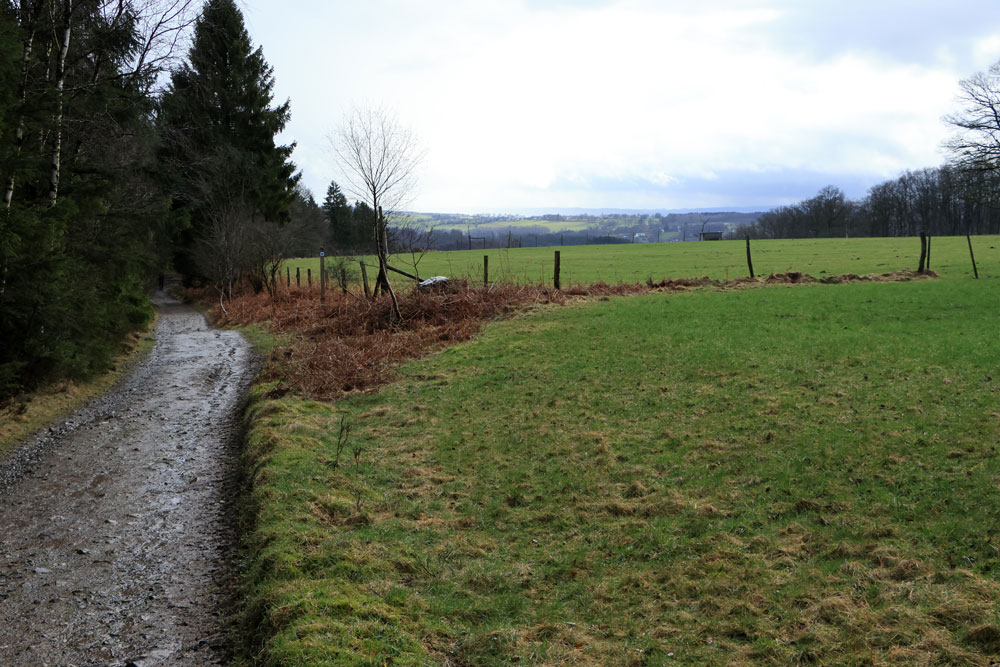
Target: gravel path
115	529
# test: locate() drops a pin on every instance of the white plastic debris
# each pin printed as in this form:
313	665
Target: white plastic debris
433	282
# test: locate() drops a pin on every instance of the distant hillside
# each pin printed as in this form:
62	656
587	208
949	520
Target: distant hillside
600	212
453	231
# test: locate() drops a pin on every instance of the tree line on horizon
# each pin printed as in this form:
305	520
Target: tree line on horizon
938	201
960	197
498	231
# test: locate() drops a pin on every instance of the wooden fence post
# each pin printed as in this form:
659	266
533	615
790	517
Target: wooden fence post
322	276
486	270
749	261
974	269
309	277
364	279
555	277
923	251
288	276
298	276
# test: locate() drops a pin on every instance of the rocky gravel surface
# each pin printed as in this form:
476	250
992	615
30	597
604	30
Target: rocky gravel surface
116	533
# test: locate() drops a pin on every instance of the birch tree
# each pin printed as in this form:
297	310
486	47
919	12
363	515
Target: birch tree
65	32
82	216
378	157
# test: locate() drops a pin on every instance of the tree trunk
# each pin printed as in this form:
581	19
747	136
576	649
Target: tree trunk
29	23
364	278
923	251
382	248
60	84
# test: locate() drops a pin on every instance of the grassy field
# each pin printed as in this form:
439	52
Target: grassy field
780	475
514	225
475	223
716	259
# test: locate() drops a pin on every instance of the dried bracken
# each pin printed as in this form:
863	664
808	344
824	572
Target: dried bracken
349	344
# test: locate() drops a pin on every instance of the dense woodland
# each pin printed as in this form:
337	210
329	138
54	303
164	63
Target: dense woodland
941	201
84	222
125	156
114	172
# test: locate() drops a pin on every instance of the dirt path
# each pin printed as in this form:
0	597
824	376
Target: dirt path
114	528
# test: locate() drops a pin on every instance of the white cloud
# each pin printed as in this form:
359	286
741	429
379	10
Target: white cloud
987	49
554	106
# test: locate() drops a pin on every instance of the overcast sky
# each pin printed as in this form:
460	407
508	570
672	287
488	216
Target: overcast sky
633	103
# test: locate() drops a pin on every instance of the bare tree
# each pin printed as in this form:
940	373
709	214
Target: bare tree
161	26
237	243
975	147
412	238
158	27
240	245
378	157
267	247
219	251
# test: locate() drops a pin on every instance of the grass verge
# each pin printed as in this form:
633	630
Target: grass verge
25	414
802	474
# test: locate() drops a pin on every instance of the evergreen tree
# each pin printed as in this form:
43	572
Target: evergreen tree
306	232
8	70
219	128
339	219
80	215
363	219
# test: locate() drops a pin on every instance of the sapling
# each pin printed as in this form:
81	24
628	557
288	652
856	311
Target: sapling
342	437
358	496
356	450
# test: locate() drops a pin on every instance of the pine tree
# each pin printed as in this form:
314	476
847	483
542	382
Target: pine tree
363	221
219	132
337	212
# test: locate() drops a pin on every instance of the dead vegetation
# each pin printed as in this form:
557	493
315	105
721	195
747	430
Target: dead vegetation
792	278
352	344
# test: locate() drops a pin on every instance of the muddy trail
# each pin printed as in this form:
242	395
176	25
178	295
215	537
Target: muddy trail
115	527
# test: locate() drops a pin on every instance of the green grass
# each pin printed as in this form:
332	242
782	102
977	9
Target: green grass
716	259
794	474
